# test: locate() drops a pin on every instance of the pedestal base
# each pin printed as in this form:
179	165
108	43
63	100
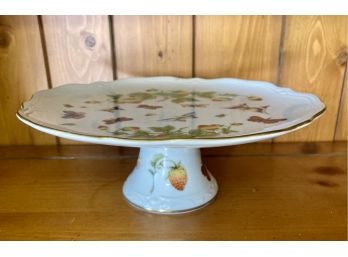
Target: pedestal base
170	180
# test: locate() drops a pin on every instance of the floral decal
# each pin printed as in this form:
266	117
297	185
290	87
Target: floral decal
263	120
177	174
171	123
182	117
156	165
246	107
73	115
149	107
92	102
169	131
119	119
175	96
254	98
102	127
112	109
195	105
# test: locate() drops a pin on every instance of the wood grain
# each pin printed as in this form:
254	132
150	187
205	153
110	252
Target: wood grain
153	45
307	53
63	152
79	50
244	47
238	46
22	72
341	133
314	60
284	193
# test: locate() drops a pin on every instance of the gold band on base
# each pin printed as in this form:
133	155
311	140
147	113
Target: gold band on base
166	212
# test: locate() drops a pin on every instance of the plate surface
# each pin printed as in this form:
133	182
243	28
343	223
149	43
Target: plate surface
167	110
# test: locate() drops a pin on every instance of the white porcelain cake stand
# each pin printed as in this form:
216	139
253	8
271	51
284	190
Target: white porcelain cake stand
170	119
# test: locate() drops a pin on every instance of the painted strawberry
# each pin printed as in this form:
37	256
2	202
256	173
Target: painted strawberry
177	176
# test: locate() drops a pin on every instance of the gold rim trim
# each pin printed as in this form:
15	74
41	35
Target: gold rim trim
168	212
306	122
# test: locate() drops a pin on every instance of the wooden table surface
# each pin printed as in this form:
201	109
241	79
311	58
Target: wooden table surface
267	192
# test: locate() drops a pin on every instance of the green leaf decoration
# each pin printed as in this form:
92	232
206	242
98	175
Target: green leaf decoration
227	130
200	133
132	129
152	90
221	99
209	94
142	95
176	96
255	98
142	133
165	129
115	98
130	100
184	99
229	94
157	161
178	93
119	133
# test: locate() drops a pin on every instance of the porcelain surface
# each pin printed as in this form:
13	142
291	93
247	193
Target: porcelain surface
169	180
170	118
171	110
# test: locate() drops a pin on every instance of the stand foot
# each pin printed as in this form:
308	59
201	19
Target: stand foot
170	180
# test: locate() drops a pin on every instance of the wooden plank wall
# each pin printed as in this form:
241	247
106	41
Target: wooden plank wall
78	50
22	72
153	45
315	60
306	53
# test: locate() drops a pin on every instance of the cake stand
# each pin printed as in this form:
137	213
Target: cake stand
170	119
